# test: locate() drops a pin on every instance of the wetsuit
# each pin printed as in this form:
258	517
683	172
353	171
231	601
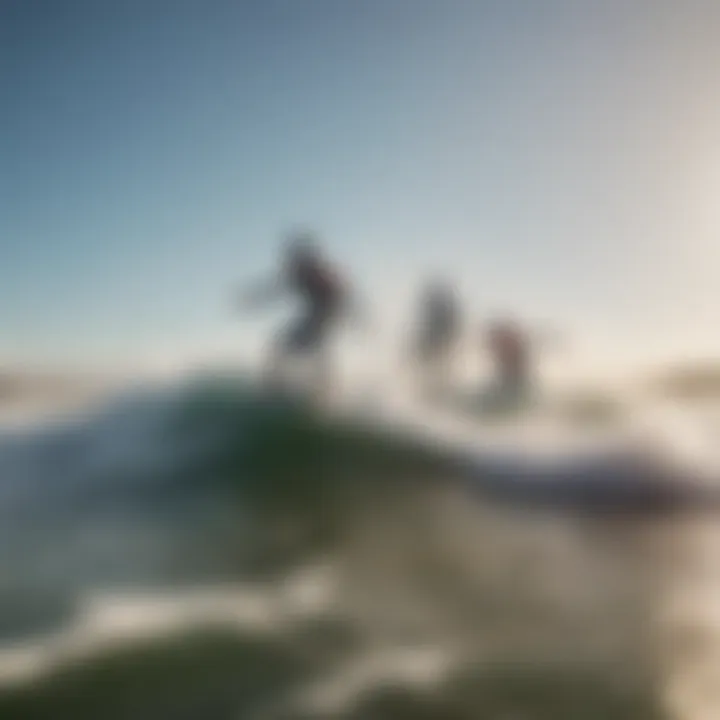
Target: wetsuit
322	293
510	352
440	325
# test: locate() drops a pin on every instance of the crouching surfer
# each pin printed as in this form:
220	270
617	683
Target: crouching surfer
511	351
326	301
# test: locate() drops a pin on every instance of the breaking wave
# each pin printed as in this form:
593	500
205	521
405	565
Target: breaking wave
200	550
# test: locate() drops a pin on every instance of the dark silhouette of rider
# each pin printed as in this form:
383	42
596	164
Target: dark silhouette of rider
438	331
324	296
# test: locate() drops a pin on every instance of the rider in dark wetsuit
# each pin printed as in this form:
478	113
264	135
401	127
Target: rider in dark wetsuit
307	275
510	351
440	321
438	331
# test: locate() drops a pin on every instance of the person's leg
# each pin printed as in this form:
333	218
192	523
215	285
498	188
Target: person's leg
319	344
515	386
274	364
423	359
286	346
437	363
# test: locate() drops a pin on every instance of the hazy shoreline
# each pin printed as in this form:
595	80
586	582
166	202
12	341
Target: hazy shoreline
27	396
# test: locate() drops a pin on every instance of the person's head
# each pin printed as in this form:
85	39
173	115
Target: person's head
301	247
438	289
501	325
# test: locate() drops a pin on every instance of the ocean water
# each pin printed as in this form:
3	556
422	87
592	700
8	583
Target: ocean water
197	551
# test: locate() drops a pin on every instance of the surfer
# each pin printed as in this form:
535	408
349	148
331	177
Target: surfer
316	283
438	331
513	348
510	352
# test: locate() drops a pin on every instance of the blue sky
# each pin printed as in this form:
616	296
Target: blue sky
560	158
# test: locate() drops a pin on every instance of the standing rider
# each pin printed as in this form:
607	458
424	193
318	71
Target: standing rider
324	294
438	332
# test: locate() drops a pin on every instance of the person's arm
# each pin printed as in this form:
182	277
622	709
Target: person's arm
549	338
262	293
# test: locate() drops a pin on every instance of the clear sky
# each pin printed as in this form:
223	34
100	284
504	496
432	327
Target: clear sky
560	158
